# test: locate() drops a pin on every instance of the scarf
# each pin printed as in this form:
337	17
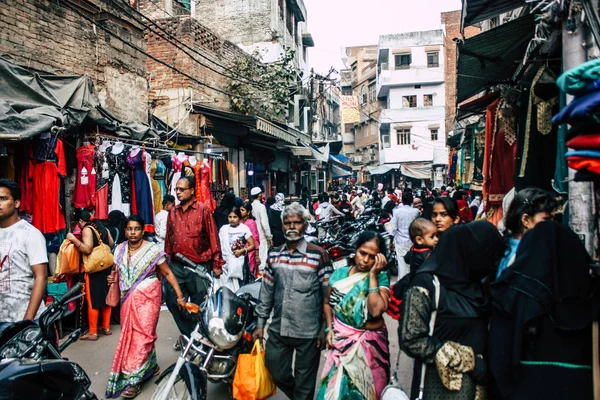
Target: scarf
279	204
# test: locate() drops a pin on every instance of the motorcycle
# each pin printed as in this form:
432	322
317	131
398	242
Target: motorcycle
224	330
31	364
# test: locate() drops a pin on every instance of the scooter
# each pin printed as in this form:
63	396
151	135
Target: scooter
31	364
224	330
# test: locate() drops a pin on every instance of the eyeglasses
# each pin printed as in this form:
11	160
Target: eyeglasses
181	189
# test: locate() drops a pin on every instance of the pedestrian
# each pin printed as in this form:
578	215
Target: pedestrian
236	241
474	207
445	214
141	265
463	206
346	208
191	232
222	210
375	200
160	220
305	198
543	308
357	203
529	207
116	226
402	217
455	354
250	222
262	221
418	204
274	215
96	286
358	361
326	211
23	261
293	287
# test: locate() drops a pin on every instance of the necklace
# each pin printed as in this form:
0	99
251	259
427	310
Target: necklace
134	249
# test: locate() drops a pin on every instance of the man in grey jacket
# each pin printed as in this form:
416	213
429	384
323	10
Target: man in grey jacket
259	212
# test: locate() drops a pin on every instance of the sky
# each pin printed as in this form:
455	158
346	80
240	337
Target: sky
335	24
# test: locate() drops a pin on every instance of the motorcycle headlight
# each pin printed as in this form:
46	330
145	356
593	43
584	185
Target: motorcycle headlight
21	344
219	335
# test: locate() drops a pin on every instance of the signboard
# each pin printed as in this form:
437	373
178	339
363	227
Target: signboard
350	109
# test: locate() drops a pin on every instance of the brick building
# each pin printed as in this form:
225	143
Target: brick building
48	37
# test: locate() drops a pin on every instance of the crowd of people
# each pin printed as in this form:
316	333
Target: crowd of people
513	307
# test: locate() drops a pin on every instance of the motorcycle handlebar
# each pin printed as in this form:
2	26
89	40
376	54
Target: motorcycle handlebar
75	290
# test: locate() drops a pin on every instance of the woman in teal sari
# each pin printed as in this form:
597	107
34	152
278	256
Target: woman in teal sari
141	264
357	365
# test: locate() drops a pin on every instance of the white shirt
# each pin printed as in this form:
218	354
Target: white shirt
160	226
402	217
21	247
259	212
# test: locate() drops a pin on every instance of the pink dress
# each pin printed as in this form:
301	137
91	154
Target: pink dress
251	224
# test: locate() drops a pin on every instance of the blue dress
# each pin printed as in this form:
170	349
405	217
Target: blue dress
143	192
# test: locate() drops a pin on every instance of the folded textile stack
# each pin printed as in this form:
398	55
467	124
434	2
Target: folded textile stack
583	115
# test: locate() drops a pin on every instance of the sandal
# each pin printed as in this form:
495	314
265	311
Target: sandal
106	332
89	336
156	372
131	392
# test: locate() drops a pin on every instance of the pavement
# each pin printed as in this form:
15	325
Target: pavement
96	359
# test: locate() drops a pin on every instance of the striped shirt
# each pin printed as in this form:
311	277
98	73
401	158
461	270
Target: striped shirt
293	287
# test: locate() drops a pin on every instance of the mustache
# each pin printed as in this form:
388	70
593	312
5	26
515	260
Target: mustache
290	231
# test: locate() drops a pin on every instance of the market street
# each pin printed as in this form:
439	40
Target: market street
96	358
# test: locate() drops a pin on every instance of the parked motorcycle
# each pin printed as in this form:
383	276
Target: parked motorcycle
224	330
31	365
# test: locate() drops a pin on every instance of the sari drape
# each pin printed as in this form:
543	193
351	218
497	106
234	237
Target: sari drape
358	365
141	291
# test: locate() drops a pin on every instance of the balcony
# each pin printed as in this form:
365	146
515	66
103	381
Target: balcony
416	75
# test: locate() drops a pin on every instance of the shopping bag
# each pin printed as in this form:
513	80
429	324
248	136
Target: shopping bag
113	297
68	262
252	380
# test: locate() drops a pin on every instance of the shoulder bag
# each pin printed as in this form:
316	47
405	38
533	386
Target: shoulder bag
113	297
100	258
393	391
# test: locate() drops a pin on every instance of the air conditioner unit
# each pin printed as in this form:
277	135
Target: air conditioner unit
372	158
384	66
371	151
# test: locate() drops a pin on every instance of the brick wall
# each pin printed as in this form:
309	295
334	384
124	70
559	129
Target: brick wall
48	37
451	20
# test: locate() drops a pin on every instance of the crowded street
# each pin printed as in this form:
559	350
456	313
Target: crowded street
299	199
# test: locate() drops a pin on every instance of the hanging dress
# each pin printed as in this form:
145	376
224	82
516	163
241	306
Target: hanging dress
47	214
156	190
205	193
85	183
177	165
143	194
195	171
161	177
101	185
119	182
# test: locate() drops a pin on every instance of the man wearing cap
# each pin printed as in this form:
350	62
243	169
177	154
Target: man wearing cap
259	212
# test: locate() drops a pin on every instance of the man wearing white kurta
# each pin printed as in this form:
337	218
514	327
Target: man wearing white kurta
259	212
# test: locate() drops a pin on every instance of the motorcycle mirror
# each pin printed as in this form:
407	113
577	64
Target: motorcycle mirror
193	308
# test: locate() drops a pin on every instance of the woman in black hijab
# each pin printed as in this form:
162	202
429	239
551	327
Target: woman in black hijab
543	309
223	209
456	352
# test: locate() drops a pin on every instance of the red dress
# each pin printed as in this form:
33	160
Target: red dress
85	183
205	193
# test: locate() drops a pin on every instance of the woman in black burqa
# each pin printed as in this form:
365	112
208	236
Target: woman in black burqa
455	355
543	308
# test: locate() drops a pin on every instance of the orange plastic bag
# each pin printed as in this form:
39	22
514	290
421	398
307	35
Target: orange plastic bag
68	260
252	380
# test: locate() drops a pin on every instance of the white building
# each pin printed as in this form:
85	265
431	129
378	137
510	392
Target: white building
410	81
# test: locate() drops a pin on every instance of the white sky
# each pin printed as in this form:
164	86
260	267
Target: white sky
335	24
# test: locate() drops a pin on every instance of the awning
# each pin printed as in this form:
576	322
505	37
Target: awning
268	127
479	10
416	170
379	170
476	106
455	140
339	172
491	57
31	104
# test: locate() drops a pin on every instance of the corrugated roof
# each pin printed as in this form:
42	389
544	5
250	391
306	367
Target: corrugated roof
479	10
490	57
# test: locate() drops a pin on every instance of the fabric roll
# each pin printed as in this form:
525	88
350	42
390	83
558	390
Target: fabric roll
577	79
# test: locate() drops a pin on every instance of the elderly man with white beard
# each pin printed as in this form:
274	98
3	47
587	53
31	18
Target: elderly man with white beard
293	287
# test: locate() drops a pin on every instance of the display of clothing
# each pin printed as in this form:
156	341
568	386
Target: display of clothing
102	176
143	194
25	177
156	189
85	183
177	164
204	189
119	179
50	166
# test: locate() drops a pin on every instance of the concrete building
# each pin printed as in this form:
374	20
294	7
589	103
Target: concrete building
410	82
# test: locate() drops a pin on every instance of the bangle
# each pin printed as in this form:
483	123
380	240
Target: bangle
181	298
327	330
374	290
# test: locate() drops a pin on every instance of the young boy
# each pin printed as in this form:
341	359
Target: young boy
423	234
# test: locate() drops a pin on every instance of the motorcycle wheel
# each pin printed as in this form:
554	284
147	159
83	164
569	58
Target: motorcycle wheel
179	391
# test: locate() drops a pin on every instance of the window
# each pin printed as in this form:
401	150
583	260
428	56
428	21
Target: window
373	129
403	136
427	100
372	92
347	90
363	95
385	141
434	134
409	101
402	61
433	59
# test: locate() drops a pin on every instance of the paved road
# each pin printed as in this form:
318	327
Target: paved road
96	358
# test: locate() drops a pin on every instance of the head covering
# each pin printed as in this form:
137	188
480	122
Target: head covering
239	201
228	201
476	202
255	191
279	204
465	255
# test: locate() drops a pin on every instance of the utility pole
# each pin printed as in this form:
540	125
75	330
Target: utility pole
581	197
310	125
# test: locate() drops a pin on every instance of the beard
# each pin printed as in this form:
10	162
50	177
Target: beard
292	235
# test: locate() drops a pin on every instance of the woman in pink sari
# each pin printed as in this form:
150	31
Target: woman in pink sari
357	365
250	222
140	265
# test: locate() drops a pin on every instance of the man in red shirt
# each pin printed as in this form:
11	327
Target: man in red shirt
191	232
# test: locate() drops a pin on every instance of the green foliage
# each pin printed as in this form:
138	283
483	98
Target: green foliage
263	89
